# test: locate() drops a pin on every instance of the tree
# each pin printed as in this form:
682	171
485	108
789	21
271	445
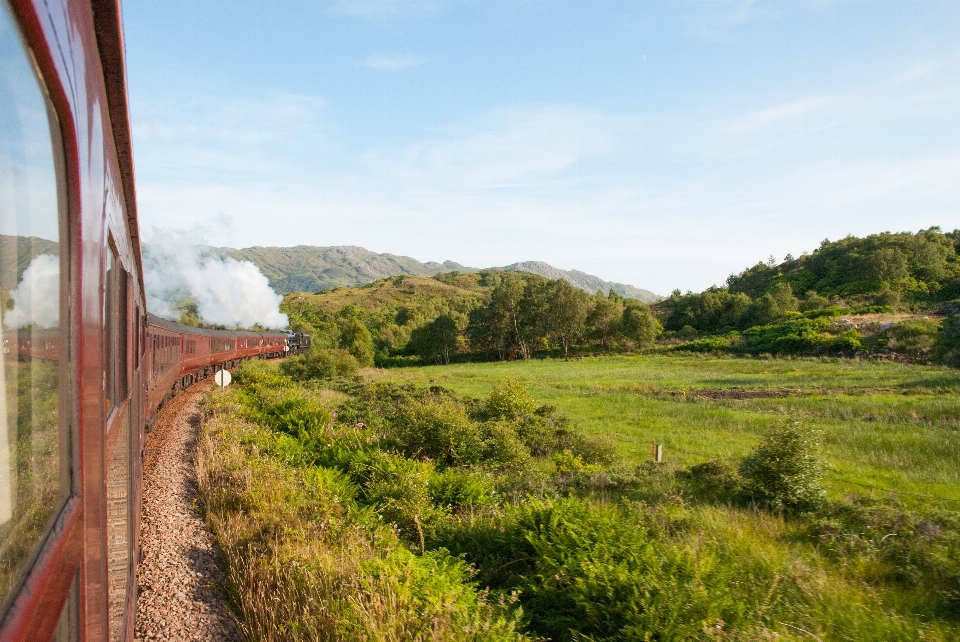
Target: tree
436	341
782	293
639	326
357	340
566	313
505	302
604	317
763	311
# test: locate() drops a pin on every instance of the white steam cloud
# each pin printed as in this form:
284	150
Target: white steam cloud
36	299
227	292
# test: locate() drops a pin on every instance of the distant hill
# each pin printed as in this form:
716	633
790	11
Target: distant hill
583	280
306	268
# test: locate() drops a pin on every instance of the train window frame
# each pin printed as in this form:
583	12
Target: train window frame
68	468
116	310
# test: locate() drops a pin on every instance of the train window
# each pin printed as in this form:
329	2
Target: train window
34	438
116	328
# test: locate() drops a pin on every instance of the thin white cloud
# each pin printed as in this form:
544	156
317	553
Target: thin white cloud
391	63
519	144
718	19
385	10
783	112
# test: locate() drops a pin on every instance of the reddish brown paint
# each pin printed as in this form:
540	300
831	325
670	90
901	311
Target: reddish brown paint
78	48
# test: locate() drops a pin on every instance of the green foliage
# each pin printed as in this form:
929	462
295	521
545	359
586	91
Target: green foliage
357	340
436	342
785	472
509	399
503	448
462	489
588	571
714	480
638	325
320	363
439	429
948	342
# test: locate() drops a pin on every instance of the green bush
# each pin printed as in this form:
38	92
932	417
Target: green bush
439	429
399	490
320	363
462	489
601	574
723	343
947	348
714	480
509	399
914	336
784	472
599	450
503	448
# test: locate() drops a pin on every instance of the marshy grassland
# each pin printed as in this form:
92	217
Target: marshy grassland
891	426
799	499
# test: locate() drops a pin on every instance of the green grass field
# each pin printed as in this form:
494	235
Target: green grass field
888	427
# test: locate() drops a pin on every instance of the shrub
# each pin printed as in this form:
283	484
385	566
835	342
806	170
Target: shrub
784	471
503	447
539	433
600	450
358	341
320	363
848	341
509	399
914	336
887	298
439	429
601	574
462	489
399	489
722	343
947	348
714	479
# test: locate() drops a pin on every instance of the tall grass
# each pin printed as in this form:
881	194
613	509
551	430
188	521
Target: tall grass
305	563
420	513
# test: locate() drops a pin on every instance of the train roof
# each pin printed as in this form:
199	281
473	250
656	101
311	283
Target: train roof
189	329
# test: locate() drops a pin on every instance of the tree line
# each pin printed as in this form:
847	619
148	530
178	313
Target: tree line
526	314
493	316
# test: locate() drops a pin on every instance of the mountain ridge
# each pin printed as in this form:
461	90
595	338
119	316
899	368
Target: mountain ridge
308	268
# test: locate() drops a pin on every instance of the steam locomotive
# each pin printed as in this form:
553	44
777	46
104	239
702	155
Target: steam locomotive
84	367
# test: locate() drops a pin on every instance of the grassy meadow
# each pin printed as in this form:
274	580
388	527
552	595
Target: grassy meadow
517	501
891	426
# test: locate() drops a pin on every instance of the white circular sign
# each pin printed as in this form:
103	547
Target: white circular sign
222	378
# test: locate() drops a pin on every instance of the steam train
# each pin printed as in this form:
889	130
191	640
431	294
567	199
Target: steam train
85	368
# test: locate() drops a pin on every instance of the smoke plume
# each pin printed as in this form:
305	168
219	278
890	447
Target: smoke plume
36	298
226	292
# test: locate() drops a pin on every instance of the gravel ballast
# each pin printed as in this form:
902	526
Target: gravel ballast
179	579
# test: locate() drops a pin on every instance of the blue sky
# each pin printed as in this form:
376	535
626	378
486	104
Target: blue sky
663	144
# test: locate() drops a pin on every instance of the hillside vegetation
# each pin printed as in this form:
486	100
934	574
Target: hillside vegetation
517	501
886	295
306	268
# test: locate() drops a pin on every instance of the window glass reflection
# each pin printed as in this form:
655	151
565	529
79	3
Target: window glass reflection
33	481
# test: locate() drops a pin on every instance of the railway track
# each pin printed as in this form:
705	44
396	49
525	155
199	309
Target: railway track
179	579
